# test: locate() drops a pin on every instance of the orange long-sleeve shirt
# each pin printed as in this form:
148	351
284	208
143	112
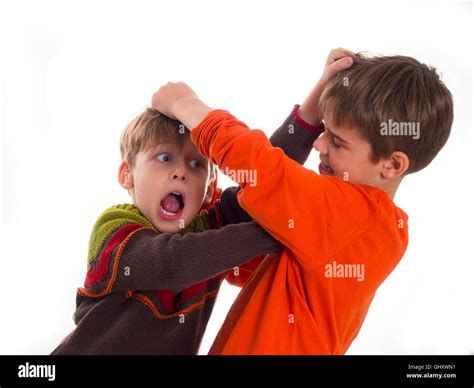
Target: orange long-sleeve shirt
342	240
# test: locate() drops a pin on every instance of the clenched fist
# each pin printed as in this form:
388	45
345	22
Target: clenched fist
179	102
167	97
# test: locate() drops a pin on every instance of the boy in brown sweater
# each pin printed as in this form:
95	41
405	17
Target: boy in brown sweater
151	286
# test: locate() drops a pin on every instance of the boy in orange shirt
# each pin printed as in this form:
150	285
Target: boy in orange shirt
385	117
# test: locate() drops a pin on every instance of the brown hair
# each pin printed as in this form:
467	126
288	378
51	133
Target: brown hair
148	129
383	89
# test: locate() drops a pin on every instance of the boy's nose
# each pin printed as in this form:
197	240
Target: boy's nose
320	145
179	174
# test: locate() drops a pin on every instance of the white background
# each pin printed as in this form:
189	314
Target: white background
73	74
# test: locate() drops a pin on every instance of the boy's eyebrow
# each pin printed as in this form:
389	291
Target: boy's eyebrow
336	136
160	146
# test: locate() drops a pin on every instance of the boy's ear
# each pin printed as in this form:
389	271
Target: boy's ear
395	165
125	176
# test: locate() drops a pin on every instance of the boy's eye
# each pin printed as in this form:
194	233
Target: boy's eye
334	144
196	163
332	141
164	157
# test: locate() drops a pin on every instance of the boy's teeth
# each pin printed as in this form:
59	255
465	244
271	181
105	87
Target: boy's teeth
166	212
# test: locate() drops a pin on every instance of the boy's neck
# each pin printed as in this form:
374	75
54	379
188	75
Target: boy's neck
391	188
392	194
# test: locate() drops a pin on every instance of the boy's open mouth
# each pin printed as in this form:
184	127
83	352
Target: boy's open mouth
324	169
172	205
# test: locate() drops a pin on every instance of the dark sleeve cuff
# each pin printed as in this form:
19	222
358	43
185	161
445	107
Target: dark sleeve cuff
304	124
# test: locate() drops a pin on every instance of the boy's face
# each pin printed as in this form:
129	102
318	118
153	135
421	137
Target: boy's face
344	153
169	185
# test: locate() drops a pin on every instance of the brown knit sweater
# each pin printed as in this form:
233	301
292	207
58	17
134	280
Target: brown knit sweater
153	293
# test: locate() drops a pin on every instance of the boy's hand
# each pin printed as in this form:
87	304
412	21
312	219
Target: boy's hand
338	59
179	102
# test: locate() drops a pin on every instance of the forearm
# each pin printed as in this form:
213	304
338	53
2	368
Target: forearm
172	261
191	111
296	136
309	110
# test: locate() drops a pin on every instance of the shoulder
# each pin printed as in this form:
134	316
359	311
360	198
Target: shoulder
121	213
124	217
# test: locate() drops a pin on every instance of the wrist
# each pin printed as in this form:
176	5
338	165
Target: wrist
311	116
190	111
305	122
309	109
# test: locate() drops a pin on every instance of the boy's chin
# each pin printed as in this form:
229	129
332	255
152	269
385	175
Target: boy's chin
176	225
172	226
169	227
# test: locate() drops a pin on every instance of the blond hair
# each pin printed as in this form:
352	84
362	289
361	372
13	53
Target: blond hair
151	128
148	129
